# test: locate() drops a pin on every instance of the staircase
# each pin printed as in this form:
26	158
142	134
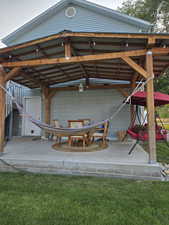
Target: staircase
16	91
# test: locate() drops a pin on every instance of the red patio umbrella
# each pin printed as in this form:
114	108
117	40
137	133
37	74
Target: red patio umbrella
139	98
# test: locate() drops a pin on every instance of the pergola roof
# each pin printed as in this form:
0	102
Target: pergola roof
33	57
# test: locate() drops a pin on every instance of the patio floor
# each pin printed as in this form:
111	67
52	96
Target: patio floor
38	156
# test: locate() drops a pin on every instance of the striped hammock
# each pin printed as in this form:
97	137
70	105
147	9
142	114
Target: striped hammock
59	131
74	131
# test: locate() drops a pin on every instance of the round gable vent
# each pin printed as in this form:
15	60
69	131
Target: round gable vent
70	12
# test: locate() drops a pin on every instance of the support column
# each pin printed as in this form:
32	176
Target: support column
150	109
2	110
47	106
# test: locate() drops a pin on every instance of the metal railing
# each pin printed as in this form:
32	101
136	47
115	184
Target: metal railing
17	91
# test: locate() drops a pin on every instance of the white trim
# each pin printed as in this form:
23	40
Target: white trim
73	12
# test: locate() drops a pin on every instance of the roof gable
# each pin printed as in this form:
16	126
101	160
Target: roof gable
100	10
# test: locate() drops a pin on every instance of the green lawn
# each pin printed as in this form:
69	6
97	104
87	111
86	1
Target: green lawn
162	152
66	200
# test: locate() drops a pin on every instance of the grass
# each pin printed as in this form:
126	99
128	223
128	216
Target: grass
162	152
66	200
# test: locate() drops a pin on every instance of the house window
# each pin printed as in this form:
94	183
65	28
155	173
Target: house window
70	12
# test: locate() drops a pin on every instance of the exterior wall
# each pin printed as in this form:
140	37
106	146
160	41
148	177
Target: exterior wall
84	21
94	104
31	92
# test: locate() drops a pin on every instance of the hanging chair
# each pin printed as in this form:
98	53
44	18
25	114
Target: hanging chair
139	132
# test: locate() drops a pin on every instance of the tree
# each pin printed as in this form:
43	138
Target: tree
157	13
154	11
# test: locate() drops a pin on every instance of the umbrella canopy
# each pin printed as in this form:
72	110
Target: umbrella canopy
139	98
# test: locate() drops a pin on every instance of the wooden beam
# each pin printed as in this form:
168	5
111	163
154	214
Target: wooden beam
117	35
135	66
52	93
2	110
88	35
151	41
13	73
75	59
68	52
150	109
30	43
47	106
86	58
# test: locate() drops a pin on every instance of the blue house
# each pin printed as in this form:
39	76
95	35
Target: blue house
77	16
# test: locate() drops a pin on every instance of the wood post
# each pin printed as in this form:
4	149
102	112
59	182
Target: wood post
68	53
2	110
47	106
150	109
47	95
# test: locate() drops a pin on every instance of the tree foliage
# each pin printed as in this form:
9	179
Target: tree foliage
154	11
157	13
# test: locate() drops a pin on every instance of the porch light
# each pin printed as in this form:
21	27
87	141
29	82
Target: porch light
81	88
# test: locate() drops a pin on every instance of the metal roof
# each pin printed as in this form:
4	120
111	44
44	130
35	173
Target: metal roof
82	44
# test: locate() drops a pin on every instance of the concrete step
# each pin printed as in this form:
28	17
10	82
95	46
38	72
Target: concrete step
134	171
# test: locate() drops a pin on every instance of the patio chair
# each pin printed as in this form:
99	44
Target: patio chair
86	121
57	138
101	133
77	124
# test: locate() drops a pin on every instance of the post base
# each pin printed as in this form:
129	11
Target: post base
152	162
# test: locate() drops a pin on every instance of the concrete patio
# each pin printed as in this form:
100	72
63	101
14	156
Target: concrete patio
38	156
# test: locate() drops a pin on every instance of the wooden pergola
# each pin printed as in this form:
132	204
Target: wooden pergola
69	56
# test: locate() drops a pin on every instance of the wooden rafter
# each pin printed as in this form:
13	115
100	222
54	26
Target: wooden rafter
80	64
13	73
55	66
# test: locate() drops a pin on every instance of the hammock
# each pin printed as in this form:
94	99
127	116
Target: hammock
72	131
60	131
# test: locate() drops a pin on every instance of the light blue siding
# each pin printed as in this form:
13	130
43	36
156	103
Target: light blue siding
31	92
85	21
94	104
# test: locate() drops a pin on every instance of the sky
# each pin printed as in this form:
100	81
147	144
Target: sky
15	13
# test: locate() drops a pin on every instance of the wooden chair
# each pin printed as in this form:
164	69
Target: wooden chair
77	124
57	137
101	133
86	121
